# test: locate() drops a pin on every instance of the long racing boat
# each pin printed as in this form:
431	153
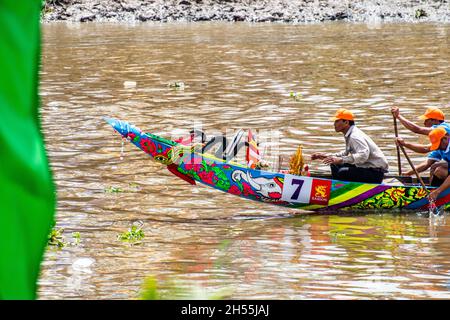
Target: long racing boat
294	191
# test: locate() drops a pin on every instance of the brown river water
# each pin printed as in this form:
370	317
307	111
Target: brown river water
201	241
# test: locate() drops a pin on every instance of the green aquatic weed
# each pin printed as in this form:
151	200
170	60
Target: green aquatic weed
175	289
150	289
295	95
131	187
77	238
113	190
176	85
133	235
334	236
56	238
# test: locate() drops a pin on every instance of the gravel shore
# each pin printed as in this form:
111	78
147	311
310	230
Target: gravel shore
287	11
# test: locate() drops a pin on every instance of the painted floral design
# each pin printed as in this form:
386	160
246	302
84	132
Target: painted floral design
245	190
396	194
234	189
395	197
148	146
132	136
212	175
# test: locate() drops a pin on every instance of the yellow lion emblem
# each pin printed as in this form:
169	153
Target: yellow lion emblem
321	191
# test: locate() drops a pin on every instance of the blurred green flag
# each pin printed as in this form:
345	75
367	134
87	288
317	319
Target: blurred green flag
27	199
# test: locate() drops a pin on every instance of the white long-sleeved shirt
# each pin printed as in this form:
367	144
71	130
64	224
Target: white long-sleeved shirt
361	151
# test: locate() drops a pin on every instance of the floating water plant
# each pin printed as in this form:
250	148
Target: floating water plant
133	235
150	289
113	190
172	290
56	238
133	187
130	187
176	85
335	235
76	237
295	95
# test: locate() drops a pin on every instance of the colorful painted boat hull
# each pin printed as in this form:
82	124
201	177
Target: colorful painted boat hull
308	193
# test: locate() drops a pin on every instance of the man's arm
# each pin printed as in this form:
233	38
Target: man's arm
408	124
340	154
322	156
318	156
360	154
421	167
419	148
414	127
444	186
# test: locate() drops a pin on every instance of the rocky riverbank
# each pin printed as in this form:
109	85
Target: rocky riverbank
288	11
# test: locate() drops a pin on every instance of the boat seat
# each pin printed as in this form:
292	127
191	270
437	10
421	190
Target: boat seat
228	149
232	149
213	141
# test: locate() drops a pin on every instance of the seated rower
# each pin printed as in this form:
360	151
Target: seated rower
439	139
362	160
432	118
435	161
438	170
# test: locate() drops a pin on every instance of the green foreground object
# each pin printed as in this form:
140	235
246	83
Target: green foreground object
27	198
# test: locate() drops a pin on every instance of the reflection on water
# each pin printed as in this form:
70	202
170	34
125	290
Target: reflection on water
235	76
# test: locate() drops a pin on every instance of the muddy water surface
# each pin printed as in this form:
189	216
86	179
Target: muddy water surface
235	76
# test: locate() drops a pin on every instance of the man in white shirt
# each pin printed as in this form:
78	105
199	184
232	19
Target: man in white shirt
361	161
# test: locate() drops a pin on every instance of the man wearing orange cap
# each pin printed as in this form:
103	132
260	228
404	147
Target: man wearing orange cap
437	159
439	139
433	118
361	161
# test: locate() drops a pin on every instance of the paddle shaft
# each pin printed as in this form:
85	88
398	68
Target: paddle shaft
413	167
398	149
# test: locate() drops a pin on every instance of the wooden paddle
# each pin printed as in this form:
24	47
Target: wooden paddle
433	210
413	167
398	148
406	156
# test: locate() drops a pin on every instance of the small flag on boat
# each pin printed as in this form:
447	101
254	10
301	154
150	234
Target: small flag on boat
253	156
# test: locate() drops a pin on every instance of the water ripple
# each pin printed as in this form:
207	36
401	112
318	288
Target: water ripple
235	76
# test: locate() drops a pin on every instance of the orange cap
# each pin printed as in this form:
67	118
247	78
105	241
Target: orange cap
433	113
436	136
343	114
